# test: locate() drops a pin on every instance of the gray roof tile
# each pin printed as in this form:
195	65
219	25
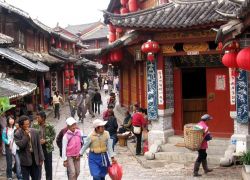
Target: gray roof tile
176	14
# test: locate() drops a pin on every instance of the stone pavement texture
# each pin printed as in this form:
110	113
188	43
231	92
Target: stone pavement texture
132	169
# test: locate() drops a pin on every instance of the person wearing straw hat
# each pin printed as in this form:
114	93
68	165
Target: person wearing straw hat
100	145
202	154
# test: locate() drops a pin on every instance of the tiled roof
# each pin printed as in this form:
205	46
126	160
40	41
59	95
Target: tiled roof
123	41
13	56
4	39
13	88
35	56
86	62
99	33
78	29
173	15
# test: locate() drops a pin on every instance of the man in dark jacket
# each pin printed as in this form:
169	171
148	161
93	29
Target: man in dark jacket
97	99
112	126
30	149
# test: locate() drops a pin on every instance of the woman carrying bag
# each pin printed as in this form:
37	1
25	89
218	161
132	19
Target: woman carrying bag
138	123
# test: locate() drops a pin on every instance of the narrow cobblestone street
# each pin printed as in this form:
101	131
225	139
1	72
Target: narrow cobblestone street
131	167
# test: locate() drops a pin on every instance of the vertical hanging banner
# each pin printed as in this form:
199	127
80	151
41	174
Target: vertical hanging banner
152	90
242	97
232	87
160	87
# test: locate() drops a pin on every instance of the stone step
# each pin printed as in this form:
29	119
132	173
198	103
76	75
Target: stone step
214	142
180	157
212	150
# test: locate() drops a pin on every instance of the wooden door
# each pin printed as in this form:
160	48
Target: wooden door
218	102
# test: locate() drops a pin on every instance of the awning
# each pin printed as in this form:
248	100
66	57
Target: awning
13	56
86	62
13	88
123	41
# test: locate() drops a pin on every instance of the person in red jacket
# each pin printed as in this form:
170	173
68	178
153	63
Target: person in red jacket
138	123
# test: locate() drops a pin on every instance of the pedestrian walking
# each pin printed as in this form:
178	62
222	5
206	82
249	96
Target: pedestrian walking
105	114
112	100
111	126
80	106
138	123
72	103
30	149
106	88
97	101
15	151
88	105
57	99
59	139
8	139
100	146
71	146
100	81
47	136
3	123
202	154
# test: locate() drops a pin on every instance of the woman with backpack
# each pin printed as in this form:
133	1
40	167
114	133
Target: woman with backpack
71	146
8	139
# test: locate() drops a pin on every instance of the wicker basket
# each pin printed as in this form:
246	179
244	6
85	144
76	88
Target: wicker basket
192	137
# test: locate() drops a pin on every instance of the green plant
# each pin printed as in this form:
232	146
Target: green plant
246	158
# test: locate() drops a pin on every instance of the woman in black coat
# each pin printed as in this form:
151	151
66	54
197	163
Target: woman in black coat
112	127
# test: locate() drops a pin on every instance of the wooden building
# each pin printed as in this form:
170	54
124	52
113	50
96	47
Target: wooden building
189	79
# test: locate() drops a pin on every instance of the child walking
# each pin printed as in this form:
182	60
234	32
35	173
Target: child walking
71	146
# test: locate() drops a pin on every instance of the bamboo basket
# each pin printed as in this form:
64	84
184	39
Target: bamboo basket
192	137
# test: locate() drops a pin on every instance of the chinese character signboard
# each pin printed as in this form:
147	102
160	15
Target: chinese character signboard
232	87
242	97
160	87
220	82
152	91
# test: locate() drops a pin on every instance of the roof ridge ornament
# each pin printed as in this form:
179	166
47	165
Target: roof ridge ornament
227	15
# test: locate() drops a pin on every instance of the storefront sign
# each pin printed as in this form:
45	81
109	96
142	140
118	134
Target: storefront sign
242	97
152	91
160	87
232	87
220	82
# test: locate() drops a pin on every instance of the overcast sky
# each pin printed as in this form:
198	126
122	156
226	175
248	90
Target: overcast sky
66	12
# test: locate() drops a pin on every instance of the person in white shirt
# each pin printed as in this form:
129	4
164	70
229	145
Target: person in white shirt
57	99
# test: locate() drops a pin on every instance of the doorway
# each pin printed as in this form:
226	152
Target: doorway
194	94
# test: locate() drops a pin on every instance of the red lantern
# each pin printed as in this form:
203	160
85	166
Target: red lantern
67	82
104	60
132	5
66	46
124	10
111	57
112	37
124	2
150	57
243	59
71	73
220	46
229	60
66	66
71	66
52	40
72	80
117	55
59	45
119	30
116	11
66	73
150	46
111	28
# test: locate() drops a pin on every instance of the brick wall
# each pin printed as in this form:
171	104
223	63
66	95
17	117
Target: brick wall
169	78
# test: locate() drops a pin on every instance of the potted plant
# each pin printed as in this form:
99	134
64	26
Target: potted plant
246	160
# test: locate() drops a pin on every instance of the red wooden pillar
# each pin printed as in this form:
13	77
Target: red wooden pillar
178	115
42	87
161	70
129	85
137	82
121	87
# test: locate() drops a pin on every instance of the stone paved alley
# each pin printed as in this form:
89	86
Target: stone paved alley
132	168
